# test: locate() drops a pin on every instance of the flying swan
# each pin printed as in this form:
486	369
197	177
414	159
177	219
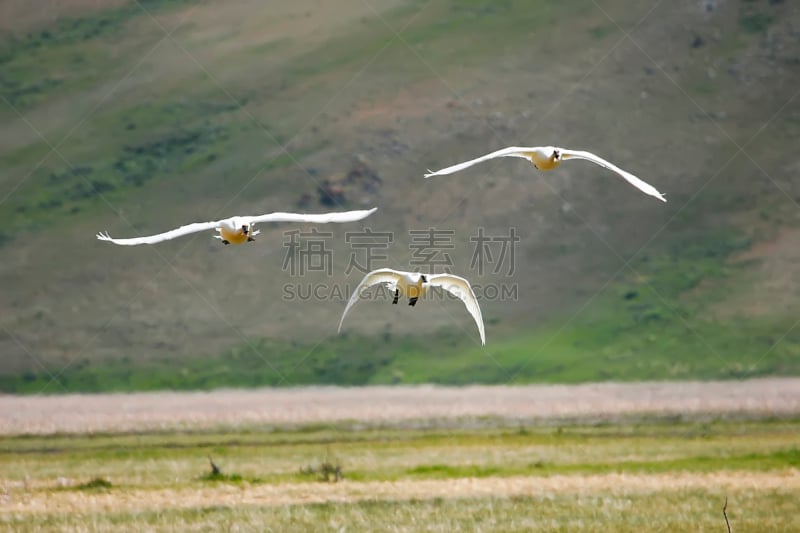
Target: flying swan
548	158
414	286
238	230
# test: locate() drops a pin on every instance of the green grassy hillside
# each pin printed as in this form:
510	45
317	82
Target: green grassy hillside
139	117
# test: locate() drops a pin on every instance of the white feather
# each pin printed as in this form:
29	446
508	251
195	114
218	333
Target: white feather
461	288
385	276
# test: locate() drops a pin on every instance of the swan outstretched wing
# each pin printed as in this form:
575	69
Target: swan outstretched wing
152	239
321	218
386	276
460	287
630	178
511	151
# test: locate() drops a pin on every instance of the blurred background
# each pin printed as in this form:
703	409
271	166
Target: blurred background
135	118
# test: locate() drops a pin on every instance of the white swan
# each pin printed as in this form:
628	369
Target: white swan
548	158
239	229
414	286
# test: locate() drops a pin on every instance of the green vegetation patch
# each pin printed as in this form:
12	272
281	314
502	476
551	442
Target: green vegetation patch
599	351
434	35
172	140
54	58
95	484
601	32
221	476
745	462
345	360
755	22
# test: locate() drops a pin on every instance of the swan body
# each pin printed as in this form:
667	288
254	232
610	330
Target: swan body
414	285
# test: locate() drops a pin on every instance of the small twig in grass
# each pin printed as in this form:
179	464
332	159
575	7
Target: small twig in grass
725	514
217	475
215	470
328	470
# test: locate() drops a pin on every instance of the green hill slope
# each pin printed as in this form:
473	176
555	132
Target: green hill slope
139	117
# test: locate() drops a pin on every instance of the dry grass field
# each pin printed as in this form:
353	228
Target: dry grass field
104	413
607	457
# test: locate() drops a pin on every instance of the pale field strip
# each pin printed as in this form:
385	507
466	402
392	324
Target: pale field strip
115	501
82	413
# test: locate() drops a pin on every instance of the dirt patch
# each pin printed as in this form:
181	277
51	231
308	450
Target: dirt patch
304	493
773	286
380	405
404	105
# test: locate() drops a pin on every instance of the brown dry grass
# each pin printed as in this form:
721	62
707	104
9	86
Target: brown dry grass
306	493
375	405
